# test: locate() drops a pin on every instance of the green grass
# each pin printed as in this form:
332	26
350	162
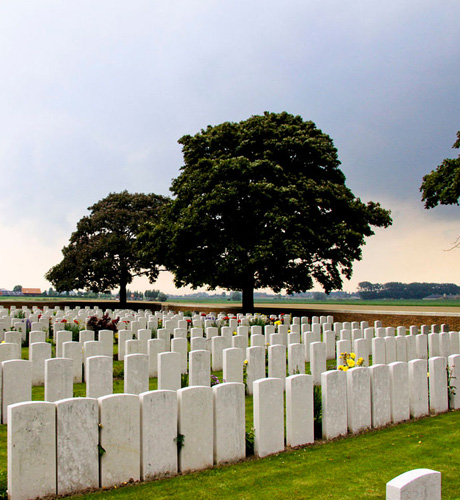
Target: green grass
349	468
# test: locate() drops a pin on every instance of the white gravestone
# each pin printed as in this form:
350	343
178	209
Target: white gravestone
99	376
31	450
200	368
334	403
195	423
120	437
268	416
58	379
77	445
159	434
16	384
136	373
299	410
381	395
229	422
418	388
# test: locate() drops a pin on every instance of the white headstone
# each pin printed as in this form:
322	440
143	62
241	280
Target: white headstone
16	384
31	450
299	410
169	371
77	445
418	388
120	437
136	373
58	379
99	376
399	384
200	368
381	395
159	434
418	484
334	403
195	424
359	399
229	423
38	353
268	416
439	401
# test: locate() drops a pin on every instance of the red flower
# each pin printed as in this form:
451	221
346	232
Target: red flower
63	321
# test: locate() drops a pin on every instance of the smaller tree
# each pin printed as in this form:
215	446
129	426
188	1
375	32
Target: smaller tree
17	288
442	186
102	254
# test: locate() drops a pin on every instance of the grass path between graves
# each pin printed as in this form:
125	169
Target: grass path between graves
348	468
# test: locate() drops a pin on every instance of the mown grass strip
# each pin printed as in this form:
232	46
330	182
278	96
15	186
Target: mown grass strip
349	468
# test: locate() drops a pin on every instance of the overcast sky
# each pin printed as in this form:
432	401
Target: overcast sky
95	95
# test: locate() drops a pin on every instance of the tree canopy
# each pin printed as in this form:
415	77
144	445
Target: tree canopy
442	186
101	254
262	204
396	290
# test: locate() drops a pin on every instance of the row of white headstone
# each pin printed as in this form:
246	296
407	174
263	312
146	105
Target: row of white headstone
53	447
80	443
59	374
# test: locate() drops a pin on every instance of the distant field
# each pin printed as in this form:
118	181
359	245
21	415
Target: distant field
295	303
279	303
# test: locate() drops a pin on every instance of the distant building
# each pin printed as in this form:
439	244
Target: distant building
31	292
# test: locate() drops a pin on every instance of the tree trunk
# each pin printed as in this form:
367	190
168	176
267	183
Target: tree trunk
248	296
123	283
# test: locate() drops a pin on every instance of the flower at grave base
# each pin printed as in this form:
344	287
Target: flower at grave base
360	361
234	333
63	321
245	362
343	368
352	355
351	363
427	373
278	322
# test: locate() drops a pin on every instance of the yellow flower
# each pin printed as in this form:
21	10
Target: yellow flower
428	374
278	322
360	361
245	361
234	333
341	368
352	355
351	363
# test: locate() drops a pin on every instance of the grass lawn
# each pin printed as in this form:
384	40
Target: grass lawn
349	468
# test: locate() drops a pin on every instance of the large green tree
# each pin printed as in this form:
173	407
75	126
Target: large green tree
262	204
102	254
442	186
